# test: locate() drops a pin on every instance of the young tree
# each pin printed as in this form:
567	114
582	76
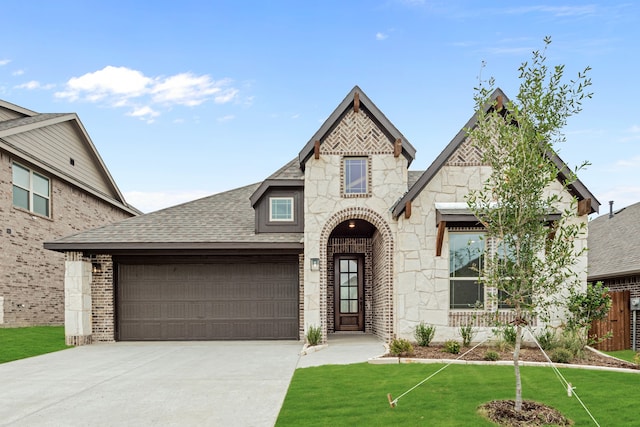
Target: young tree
532	257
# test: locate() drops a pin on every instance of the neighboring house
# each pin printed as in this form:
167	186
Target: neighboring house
614	254
52	183
343	237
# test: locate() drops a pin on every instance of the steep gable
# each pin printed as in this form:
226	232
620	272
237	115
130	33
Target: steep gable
59	144
357	126
461	152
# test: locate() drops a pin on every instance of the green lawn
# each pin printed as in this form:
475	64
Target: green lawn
622	354
19	343
344	395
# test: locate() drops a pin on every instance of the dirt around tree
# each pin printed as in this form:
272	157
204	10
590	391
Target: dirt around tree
502	412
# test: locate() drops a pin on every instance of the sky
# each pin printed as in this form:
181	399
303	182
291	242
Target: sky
191	98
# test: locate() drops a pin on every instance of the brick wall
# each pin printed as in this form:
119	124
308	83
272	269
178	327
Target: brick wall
32	278
102	299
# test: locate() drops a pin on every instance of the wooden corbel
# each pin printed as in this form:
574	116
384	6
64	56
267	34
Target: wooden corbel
397	148
407	210
316	150
584	206
356	102
440	237
499	104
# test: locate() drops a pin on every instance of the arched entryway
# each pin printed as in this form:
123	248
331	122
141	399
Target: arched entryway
356	277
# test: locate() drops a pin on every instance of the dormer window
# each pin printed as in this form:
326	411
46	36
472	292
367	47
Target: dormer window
281	209
355	172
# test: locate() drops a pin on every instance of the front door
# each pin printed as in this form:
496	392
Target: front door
349	297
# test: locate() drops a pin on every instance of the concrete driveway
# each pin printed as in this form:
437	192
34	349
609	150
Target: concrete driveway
150	384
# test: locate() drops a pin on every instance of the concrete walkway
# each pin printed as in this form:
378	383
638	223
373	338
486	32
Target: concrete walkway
343	349
210	383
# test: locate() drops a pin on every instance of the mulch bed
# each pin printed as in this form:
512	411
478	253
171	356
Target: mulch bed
527	354
502	412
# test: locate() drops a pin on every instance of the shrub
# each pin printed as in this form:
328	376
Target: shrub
574	341
560	355
491	356
547	339
509	335
467	332
400	347
424	334
636	359
314	335
451	346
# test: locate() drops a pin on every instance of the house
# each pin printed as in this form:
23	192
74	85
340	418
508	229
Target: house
52	183
614	260
343	237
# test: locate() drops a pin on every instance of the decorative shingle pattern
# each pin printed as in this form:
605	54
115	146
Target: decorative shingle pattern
356	134
614	243
466	155
223	217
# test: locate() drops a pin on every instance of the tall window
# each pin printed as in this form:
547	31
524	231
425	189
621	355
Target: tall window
355	175
281	209
465	263
30	190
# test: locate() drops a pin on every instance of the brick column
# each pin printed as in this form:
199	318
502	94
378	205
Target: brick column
77	299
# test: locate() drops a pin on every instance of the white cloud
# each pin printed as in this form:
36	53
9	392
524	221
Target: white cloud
4	62
154	200
191	90
633	162
146	96
633	134
381	36
34	84
557	11
226	118
17	73
145	113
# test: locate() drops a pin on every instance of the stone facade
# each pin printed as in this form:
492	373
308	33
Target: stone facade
32	278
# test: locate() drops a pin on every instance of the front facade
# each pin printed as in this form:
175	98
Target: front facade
52	184
344	237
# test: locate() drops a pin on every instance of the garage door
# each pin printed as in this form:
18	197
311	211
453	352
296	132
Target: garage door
220	301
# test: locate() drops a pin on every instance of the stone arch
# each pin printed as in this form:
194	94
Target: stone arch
385	307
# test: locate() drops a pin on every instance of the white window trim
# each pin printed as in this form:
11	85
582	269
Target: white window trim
31	190
272	219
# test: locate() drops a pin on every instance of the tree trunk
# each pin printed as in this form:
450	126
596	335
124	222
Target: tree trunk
516	365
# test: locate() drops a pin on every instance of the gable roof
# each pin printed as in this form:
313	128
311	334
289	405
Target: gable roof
290	175
223	221
577	189
49	141
614	244
376	115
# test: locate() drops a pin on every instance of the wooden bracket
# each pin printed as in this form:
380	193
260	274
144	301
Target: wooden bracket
584	206
397	148
316	150
407	209
499	104
356	102
440	237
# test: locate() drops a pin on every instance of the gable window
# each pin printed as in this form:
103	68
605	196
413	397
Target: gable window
30	190
355	175
465	263
281	209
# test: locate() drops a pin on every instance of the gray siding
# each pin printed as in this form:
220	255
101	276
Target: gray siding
55	145
263	225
